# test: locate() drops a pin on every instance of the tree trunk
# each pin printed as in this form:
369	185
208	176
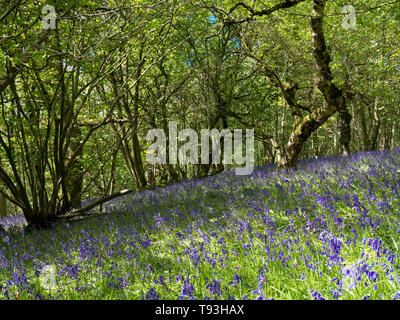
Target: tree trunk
363	123
376	124
333	97
394	131
302	130
344	130
138	163
75	176
3	206
268	150
130	146
136	152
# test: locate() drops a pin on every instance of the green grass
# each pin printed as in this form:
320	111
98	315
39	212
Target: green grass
330	228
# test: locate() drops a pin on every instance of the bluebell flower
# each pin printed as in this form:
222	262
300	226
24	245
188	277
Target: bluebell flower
151	295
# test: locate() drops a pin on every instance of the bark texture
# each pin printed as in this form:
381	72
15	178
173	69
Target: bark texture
334	99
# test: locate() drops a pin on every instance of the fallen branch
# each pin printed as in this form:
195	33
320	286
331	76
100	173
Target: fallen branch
84	216
84	211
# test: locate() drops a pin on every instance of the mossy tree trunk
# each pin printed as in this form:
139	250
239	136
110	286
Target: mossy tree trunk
302	130
345	131
3	206
334	99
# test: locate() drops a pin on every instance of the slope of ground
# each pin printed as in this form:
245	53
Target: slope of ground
329	231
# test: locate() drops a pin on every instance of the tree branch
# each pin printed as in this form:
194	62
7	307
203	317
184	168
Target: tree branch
83	211
254	13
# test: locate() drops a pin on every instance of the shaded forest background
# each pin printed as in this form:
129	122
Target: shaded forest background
78	97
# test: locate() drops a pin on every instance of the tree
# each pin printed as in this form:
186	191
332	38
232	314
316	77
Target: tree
42	142
3	206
